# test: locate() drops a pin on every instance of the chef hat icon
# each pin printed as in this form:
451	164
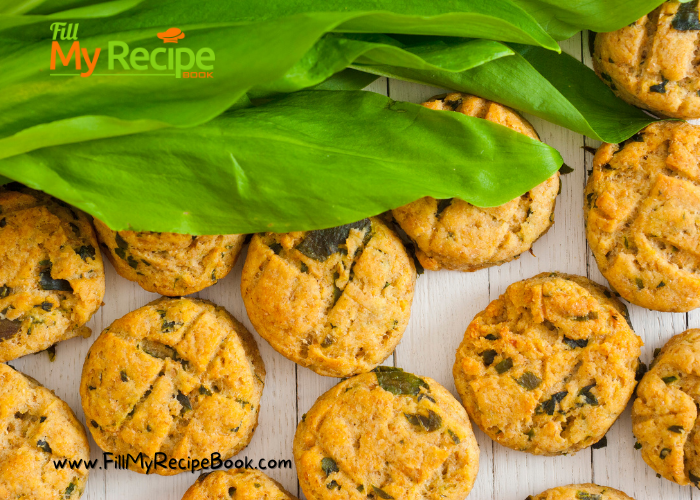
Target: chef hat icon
171	35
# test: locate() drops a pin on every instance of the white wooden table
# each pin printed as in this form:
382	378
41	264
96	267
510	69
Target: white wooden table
444	304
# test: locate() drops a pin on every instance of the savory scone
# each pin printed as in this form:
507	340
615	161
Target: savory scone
180	377
168	263
581	492
549	366
386	434
51	275
642	207
38	430
664	415
452	234
237	484
336	300
653	63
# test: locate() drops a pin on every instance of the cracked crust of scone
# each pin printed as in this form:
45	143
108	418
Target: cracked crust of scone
51	274
453	234
642	211
652	63
549	366
178	376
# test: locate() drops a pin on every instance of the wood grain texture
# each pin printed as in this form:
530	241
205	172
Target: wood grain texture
444	304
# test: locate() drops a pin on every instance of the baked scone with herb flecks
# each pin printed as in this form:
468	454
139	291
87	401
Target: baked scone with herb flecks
642	214
38	430
581	492
665	413
177	376
453	234
549	366
51	274
168	263
336	300
652	63
386	434
237	484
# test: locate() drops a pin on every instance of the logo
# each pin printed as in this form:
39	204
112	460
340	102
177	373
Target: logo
123	60
171	35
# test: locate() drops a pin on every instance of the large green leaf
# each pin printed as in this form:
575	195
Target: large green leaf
563	19
310	160
555	87
335	52
35	108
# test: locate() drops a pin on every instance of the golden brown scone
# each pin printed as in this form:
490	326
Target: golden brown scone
549	366
168	263
51	275
653	63
38	429
386	434
581	492
452	234
664	415
642	210
237	484
178	376
336	301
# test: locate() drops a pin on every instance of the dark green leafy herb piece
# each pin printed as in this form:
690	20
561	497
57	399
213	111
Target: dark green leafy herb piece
305	268
588	397
86	252
45	306
399	382
158	350
678	429
659	88
3	222
361	488
121	242
442	205
670	379
204	391
602	443
5	291
44	445
530	434
694	479
550	405
124	377
565	169
455	437
686	18
132	262
488	356
276	248
69	491
184	401
664	453
94	424
661	284
381	493
9	328
589	316
641	370
170	326
504	365
329	466
51	351
491	336
322	243
583	495
529	381
333	485
657	351
574	343
46	282
428	423
637	445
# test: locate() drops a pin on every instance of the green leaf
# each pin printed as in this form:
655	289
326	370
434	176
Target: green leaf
554	87
256	43
329	466
399	382
280	166
562	20
335	52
